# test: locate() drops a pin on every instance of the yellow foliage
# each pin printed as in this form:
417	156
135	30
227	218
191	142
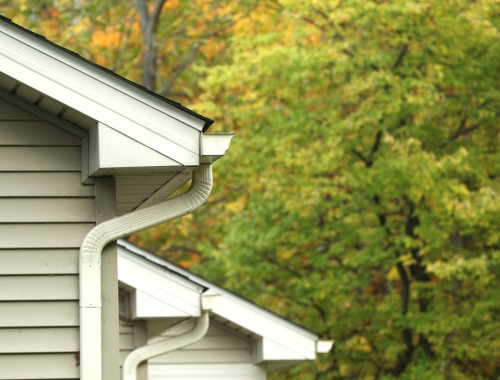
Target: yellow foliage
359	343
393	274
106	38
236	206
170	4
285	253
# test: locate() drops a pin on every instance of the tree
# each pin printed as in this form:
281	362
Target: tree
154	42
360	195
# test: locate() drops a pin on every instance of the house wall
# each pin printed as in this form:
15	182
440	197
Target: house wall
45	212
220	354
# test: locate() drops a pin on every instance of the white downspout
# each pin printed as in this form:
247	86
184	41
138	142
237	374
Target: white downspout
111	230
144	353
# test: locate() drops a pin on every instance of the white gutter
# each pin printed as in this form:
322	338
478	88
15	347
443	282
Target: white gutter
90	260
324	346
136	357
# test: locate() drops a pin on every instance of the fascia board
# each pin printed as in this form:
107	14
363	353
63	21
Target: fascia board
98	100
278	333
111	150
244	313
99	74
176	292
162	271
267	350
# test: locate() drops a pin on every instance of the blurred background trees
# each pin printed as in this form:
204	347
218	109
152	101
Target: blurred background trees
360	197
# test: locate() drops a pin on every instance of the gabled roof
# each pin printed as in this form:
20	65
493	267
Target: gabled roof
277	338
127	131
52	75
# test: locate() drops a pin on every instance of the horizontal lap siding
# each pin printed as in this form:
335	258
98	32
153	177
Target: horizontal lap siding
221	354
126	342
35	288
53	235
207	372
45	213
34	132
218	346
38	313
204	356
42	184
39	261
49	159
30	340
23	210
9	112
38	366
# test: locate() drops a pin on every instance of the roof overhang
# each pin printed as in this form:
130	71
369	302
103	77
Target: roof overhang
278	342
127	131
99	96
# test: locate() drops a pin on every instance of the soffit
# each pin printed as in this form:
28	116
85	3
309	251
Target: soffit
131	191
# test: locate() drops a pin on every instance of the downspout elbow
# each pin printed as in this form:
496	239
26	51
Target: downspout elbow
125	225
208	301
144	353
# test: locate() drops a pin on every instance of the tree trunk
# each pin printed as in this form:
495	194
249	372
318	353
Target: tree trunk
149	24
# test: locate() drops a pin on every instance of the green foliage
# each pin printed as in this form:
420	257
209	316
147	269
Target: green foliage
367	163
360	196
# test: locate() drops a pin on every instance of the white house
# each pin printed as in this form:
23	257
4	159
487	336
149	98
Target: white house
86	157
159	300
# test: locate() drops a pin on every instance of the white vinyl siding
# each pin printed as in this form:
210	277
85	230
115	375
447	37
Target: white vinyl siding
38	366
221	354
45	212
126	342
54	235
38	314
206	372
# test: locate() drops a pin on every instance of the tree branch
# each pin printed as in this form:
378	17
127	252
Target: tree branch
278	294
401	55
149	25
360	156
142	9
166	90
419	273
368	161
155	15
462	130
